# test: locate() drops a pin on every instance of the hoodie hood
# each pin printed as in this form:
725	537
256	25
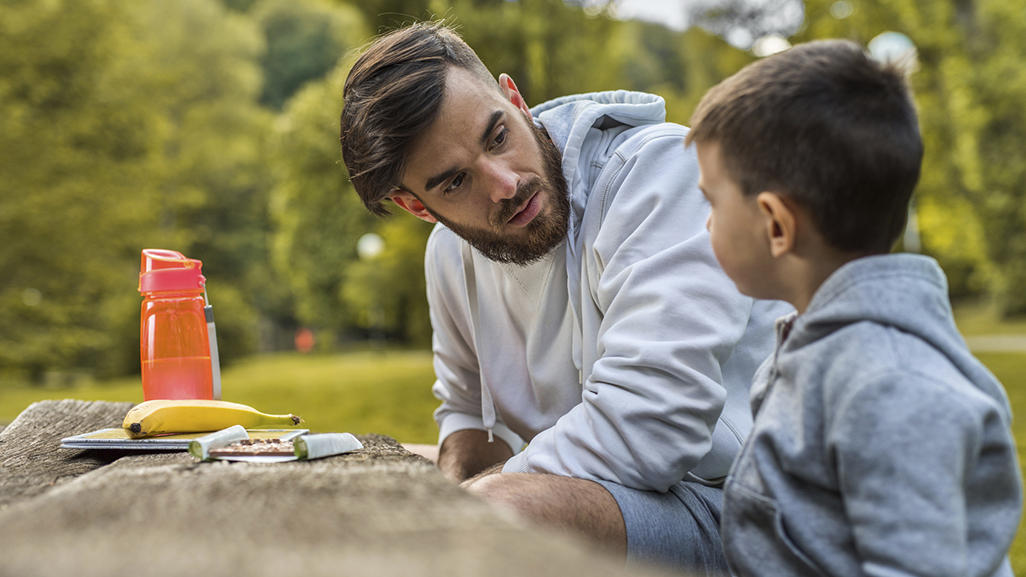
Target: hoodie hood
904	291
571	122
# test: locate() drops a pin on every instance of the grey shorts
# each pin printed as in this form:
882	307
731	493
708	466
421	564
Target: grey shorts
679	529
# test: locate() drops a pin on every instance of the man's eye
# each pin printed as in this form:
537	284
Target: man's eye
455	183
500	138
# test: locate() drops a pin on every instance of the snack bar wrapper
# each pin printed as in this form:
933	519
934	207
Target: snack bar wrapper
325	445
201	447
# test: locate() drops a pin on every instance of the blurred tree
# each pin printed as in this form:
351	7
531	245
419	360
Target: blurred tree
139	124
532	44
304	39
124	125
239	5
742	22
319	221
968	87
384	15
996	35
211	172
318	216
387	291
74	141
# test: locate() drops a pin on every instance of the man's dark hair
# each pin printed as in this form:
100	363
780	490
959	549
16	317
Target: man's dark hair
392	94
827	127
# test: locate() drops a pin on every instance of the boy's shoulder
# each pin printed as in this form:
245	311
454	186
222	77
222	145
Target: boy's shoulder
878	373
885	322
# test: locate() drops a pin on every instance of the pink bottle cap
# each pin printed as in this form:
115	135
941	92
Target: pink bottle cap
168	270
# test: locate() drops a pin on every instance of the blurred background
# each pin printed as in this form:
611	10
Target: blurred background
211	127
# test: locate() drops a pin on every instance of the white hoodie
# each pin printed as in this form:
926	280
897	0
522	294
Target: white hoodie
625	354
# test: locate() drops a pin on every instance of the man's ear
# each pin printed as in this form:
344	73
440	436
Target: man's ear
411	204
781	222
514	96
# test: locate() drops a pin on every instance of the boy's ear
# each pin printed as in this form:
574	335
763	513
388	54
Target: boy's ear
411	204
781	222
510	90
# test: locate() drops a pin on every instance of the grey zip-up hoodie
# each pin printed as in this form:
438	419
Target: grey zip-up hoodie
881	446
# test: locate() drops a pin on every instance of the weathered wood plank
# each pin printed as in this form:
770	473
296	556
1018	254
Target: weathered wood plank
379	512
31	460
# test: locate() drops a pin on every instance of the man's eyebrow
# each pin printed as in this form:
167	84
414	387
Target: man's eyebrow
439	178
492	121
443	176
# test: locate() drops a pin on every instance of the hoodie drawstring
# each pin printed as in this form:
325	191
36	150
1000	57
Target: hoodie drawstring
487	410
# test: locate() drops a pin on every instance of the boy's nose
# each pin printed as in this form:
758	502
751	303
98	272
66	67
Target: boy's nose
708	223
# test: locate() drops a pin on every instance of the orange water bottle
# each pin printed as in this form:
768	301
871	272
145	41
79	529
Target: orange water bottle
174	341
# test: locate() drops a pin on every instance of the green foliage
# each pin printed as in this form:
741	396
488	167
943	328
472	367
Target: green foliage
211	128
319	220
969	88
117	131
997	45
73	143
212	196
382	15
318	215
304	40
388	291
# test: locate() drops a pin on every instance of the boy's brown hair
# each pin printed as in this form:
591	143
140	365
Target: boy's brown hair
392	94
827	127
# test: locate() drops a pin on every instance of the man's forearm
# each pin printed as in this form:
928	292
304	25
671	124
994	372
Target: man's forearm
466	453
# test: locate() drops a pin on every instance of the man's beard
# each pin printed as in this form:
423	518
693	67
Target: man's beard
543	233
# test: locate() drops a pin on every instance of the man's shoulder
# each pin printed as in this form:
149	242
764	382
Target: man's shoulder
443	248
651	173
660	138
442	238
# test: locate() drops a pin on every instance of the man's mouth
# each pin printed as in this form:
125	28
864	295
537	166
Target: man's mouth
527	212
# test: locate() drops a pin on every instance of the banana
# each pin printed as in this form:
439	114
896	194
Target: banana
196	415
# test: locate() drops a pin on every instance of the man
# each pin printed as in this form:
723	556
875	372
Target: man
575	301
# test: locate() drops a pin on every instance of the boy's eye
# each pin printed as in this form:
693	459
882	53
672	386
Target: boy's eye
455	183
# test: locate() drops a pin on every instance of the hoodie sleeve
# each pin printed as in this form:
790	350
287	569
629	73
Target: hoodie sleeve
914	459
458	380
670	318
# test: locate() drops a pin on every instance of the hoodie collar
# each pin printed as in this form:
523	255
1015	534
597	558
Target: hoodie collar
903	278
907	292
569	121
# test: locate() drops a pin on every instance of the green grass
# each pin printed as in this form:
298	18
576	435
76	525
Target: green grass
383	391
980	318
389	391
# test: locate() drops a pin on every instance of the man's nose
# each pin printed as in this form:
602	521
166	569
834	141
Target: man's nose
502	181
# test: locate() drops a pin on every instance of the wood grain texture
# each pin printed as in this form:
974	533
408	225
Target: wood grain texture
382	511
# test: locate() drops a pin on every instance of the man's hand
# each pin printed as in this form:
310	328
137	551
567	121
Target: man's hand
466	453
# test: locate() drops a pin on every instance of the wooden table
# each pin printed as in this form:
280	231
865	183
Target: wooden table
378	512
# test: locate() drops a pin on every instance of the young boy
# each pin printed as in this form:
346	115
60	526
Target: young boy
880	445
